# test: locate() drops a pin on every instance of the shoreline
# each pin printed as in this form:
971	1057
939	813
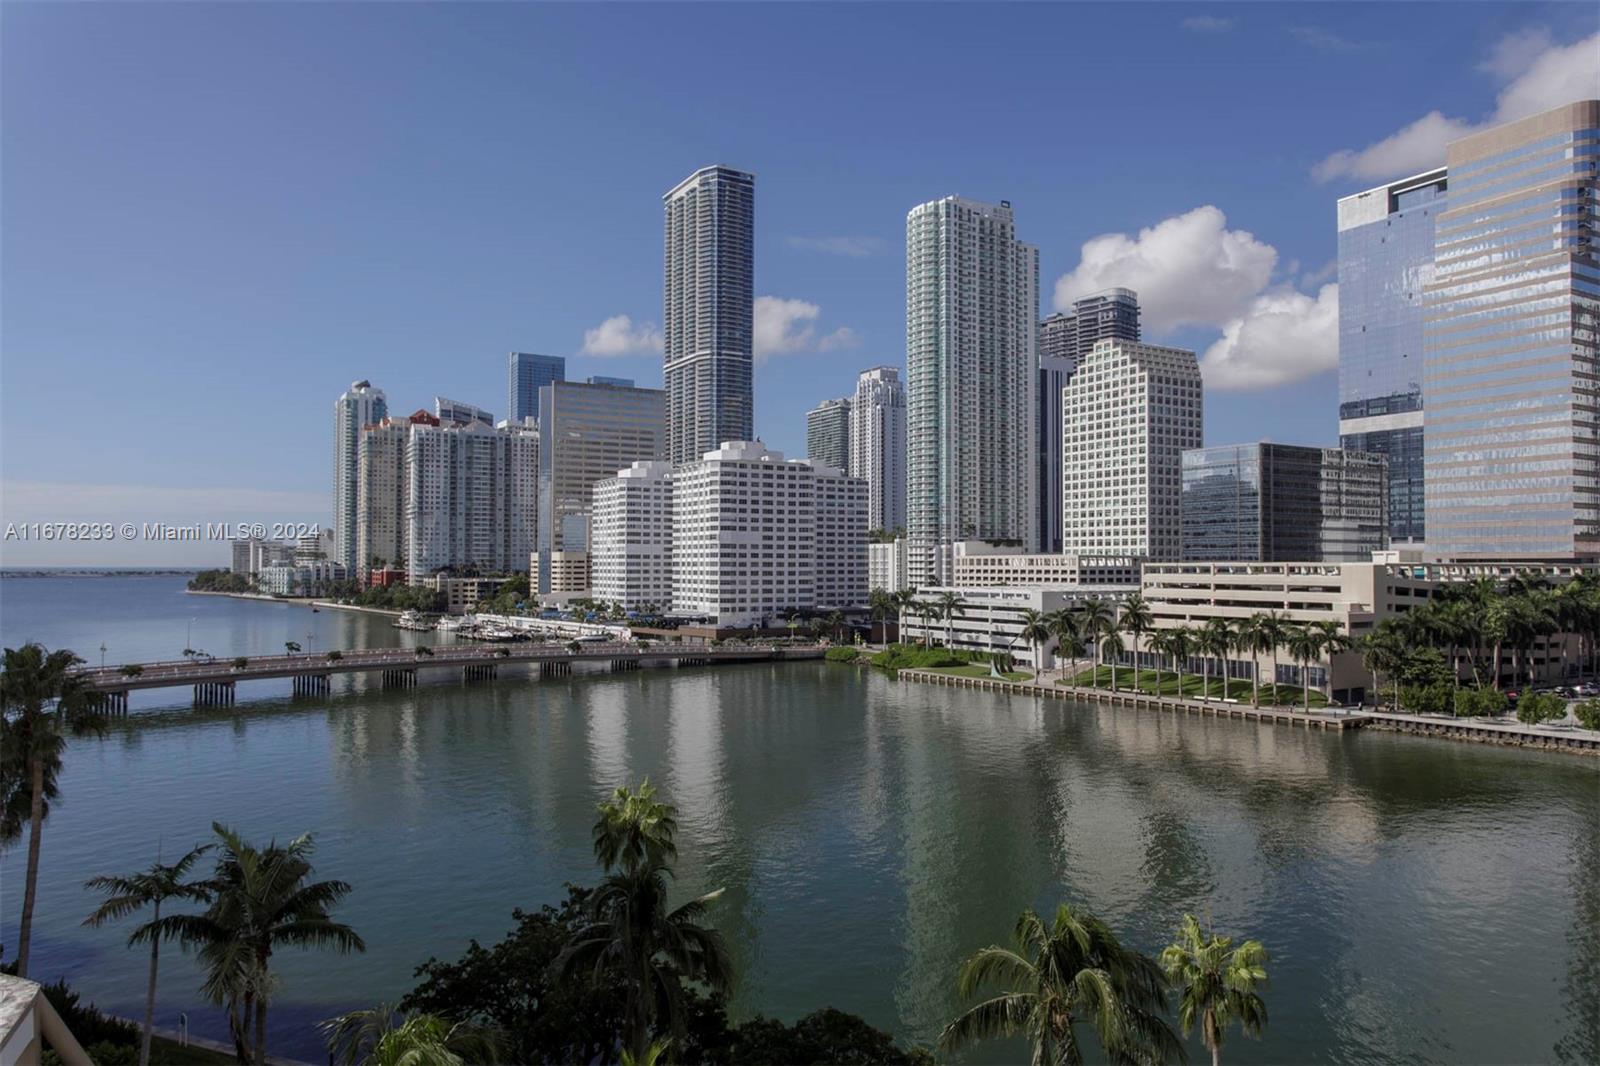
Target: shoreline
297	601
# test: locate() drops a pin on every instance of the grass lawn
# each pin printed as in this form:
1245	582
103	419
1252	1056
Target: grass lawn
979	670
1165	683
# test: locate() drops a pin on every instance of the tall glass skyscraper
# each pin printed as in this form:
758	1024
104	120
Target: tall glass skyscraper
1512	363
527	374
1385	260
709	311
972	321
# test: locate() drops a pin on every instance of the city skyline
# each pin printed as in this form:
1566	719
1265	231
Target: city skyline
828	282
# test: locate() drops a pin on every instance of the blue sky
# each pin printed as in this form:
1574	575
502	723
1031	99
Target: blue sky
215	216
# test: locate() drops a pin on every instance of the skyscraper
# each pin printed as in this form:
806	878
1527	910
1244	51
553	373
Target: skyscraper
1510	352
1271	502
527	373
1385	261
1111	314
1054	373
828	433
588	432
1128	413
878	445
469	497
455	413
972	317
361	405
708	310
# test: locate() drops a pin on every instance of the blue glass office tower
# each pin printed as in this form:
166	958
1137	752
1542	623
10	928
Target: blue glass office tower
1385	259
528	374
1510	350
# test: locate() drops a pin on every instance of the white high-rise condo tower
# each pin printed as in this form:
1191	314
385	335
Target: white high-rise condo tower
1127	414
708	298
878	445
972	313
362	405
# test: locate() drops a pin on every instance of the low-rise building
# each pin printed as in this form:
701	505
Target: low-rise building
300	579
569	574
463	594
990	618
982	563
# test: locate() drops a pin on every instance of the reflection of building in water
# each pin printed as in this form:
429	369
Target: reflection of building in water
606	715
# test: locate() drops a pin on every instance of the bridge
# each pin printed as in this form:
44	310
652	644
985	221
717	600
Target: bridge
215	681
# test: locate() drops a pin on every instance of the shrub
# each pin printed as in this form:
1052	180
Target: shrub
335	656
1588	713
1435	698
1540	707
132	670
841	655
240	663
911	656
1480	703
423	651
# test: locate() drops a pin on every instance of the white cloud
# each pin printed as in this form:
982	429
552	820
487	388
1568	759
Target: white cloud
1539	76
1208	24
783	326
854	247
1190	269
618	335
843	337
1283	336
1326	40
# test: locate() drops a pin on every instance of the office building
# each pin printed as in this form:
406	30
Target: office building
1386	239
527	373
1511	455
469	497
972	310
631	561
1109	315
1274	502
878	446
588	432
828	433
456	413
707	321
361	405
1054	373
841	522
603	379
979	564
1128	413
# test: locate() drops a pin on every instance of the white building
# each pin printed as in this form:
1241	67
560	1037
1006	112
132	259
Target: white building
455	413
1128	413
978	564
381	493
990	619
631	533
361	405
878	445
300	579
841	522
972	312
470	496
886	564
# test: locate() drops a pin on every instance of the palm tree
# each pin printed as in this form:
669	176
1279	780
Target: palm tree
1382	652
385	1037
880	605
134	892
1136	622
1335	640
948	606
1054	978
1274	631
1180	645
1214	640
1035	631
1305	645
1110	646
1069	640
633	935
635	830
1094	618
1216	984
43	701
261	900
291	646
904	600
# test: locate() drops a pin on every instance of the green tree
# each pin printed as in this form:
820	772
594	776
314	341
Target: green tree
1305	645
1057	977
1214	641
1094	619
261	900
635	830
1035	633
386	1037
1382	653
1253	639
1110	647
1068	637
130	893
949	608
1137	623
1588	713
1217	984
904	600
1274	634
43	702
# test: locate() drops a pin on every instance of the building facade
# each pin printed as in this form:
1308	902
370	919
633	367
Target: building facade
886	565
1128	413
588	432
526	374
840	502
359	406
990	618
972	308
828	433
707	320
455	413
981	565
1054	373
1511	359
878	445
1273	502
469	496
1386	239
631	561
1108	315
382	493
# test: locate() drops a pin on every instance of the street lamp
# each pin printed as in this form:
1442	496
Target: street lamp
102	655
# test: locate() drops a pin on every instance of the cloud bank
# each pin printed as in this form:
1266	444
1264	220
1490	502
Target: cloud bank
618	335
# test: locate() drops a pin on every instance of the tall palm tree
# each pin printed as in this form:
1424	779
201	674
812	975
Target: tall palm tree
1094	618
261	900
904	601
1382	652
43	701
1305	645
880	605
633	935
927	612
1274	632
635	830
950	608
147	888
1216	983
1036	632
1136	622
1069	639
1110	647
1214	640
1057	977
1180	645
1336	640
385	1037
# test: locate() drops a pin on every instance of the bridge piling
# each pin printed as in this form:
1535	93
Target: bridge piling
312	685
401	678
214	694
480	672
